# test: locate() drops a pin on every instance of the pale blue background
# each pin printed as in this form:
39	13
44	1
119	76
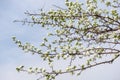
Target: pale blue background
11	56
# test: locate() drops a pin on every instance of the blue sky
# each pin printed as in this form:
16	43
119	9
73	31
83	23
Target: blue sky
11	56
